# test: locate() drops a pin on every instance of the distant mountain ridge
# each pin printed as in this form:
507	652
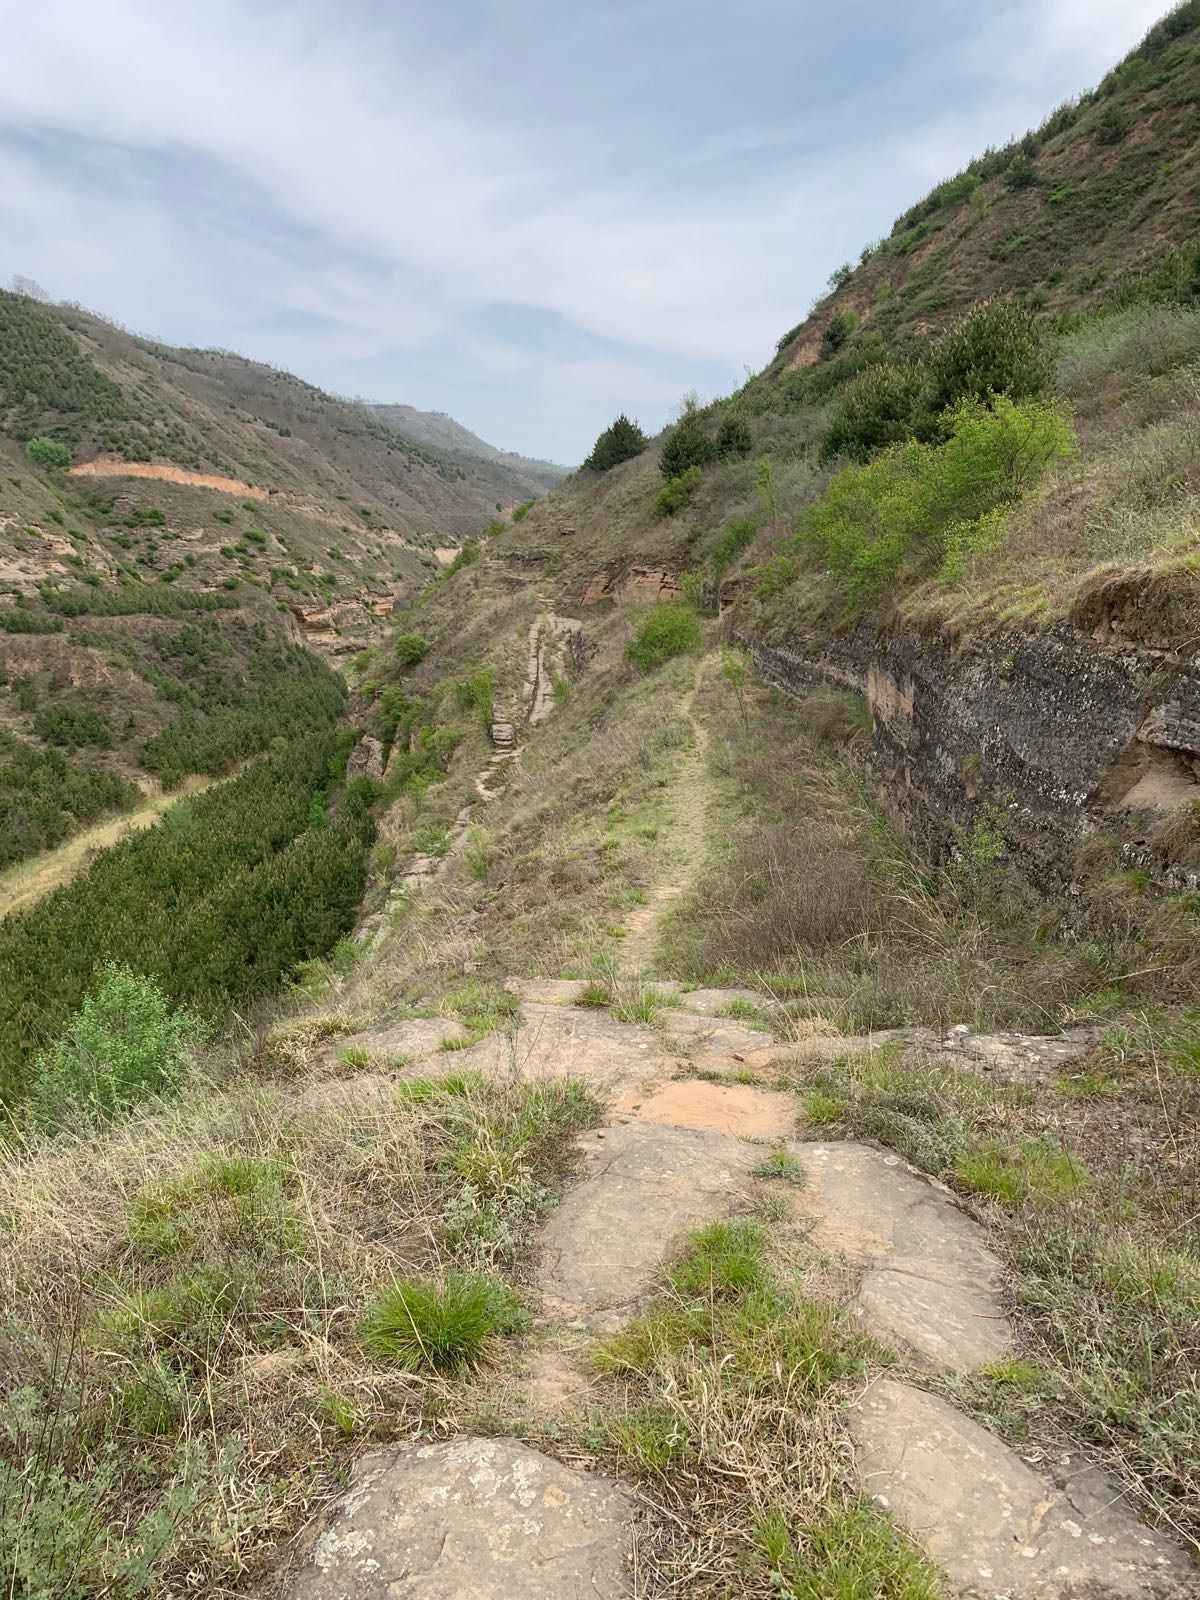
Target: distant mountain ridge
442	434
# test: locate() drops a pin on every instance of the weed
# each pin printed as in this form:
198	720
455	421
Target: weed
781	1164
423	1324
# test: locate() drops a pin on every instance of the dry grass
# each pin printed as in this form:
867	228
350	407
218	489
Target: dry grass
181	1359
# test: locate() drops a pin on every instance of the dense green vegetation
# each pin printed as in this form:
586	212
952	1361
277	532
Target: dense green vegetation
280	691
217	904
44	798
669	628
43	370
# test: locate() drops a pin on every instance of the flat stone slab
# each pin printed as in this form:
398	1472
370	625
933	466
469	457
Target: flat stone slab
931	1287
556	1041
412	1038
547	991
738	1109
645	1185
1000	1531
713	1002
471	1519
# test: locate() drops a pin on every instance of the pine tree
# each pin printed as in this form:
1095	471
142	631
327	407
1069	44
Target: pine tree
620	442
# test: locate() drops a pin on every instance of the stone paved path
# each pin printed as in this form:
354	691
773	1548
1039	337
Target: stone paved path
492	1519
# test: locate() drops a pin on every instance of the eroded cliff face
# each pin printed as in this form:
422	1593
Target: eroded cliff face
1056	734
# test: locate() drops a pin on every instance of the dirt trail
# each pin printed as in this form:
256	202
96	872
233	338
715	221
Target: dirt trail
29	881
685	845
108	467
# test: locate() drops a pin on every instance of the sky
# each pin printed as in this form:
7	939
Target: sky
530	214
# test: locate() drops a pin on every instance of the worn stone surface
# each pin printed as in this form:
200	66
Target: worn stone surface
568	1042
471	1519
1000	1532
644	1185
547	991
931	1287
713	1002
412	1038
732	1108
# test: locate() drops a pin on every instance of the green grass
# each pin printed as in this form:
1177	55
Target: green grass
781	1164
420	1324
850	1552
1032	1170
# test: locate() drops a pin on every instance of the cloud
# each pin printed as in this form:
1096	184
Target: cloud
656	185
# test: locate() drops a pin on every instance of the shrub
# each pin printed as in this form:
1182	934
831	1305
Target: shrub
69	726
468	555
998	348
418	1324
519	513
48	452
670	628
687	445
125	1043
837	331
933	501
734	438
840	276
17	620
620	441
410	649
1021	172
737	537
673	496
883	405
1113	124
145	517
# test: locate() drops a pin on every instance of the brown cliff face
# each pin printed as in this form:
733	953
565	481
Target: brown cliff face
1050	736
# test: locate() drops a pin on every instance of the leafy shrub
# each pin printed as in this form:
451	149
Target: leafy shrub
670	628
48	452
1021	172
837	330
519	513
620	441
145	517
737	537
125	1044
931	502
734	438
418	1324
687	445
1113	124
998	348
840	276
884	405
476	692
410	649
673	496
70	726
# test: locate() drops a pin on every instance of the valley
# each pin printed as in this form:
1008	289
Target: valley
632	1033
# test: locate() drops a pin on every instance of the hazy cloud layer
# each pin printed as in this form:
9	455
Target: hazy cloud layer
528	214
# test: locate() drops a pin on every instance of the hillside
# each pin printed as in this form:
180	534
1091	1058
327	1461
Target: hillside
450	439
199	519
675	1070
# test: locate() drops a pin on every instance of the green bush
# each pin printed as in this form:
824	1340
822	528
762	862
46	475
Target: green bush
724	550
883	405
670	628
1021	172
126	1044
837	330
146	517
998	348
519	513
734	439
673	496
71	726
933	503
44	799
620	441
17	620
410	649
468	555
420	1325
48	452
687	445
1113	124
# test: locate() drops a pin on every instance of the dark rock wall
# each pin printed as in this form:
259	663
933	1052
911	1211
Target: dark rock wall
1056	733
